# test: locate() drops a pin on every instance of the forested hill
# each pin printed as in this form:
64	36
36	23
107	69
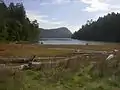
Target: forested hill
106	28
14	24
62	32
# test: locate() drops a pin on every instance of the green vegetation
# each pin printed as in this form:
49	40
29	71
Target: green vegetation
14	24
86	77
106	28
82	79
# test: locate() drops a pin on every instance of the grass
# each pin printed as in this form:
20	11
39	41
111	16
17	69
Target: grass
82	78
48	50
10	80
80	73
87	77
7	50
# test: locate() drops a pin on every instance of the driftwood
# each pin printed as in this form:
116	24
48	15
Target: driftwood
66	63
36	62
14	60
27	59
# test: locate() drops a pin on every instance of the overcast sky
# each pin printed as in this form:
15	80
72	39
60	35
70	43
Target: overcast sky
67	13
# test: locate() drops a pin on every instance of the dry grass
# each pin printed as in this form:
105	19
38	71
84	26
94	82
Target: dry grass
49	50
27	50
10	79
7	50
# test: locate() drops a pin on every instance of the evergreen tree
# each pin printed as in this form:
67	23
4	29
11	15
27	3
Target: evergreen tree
14	24
106	28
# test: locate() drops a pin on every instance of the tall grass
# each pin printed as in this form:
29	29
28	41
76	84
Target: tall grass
10	79
89	77
103	75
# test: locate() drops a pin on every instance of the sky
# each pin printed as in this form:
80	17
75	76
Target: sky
67	13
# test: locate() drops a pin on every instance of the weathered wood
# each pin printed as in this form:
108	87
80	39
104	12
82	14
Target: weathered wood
4	60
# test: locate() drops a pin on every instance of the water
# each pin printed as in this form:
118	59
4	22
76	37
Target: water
67	41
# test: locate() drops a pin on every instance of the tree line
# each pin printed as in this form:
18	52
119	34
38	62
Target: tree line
14	24
106	28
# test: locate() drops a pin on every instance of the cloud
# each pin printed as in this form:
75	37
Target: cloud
93	5
99	5
32	15
73	28
58	2
45	22
96	5
99	8
15	1
42	18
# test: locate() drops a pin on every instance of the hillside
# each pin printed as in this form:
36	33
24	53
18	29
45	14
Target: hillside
106	29
55	33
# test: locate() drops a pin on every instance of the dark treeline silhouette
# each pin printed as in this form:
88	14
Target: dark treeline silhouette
14	24
106	28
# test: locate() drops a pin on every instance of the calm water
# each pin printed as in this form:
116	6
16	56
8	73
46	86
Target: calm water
65	41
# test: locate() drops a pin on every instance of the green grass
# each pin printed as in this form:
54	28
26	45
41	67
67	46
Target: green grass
87	77
61	79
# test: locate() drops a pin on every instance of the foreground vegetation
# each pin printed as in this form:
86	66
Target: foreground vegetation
14	24
90	71
85	77
89	77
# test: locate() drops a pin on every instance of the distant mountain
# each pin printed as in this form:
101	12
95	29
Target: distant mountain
62	32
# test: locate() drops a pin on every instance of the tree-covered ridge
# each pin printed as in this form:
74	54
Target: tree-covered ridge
106	28
61	32
14	24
